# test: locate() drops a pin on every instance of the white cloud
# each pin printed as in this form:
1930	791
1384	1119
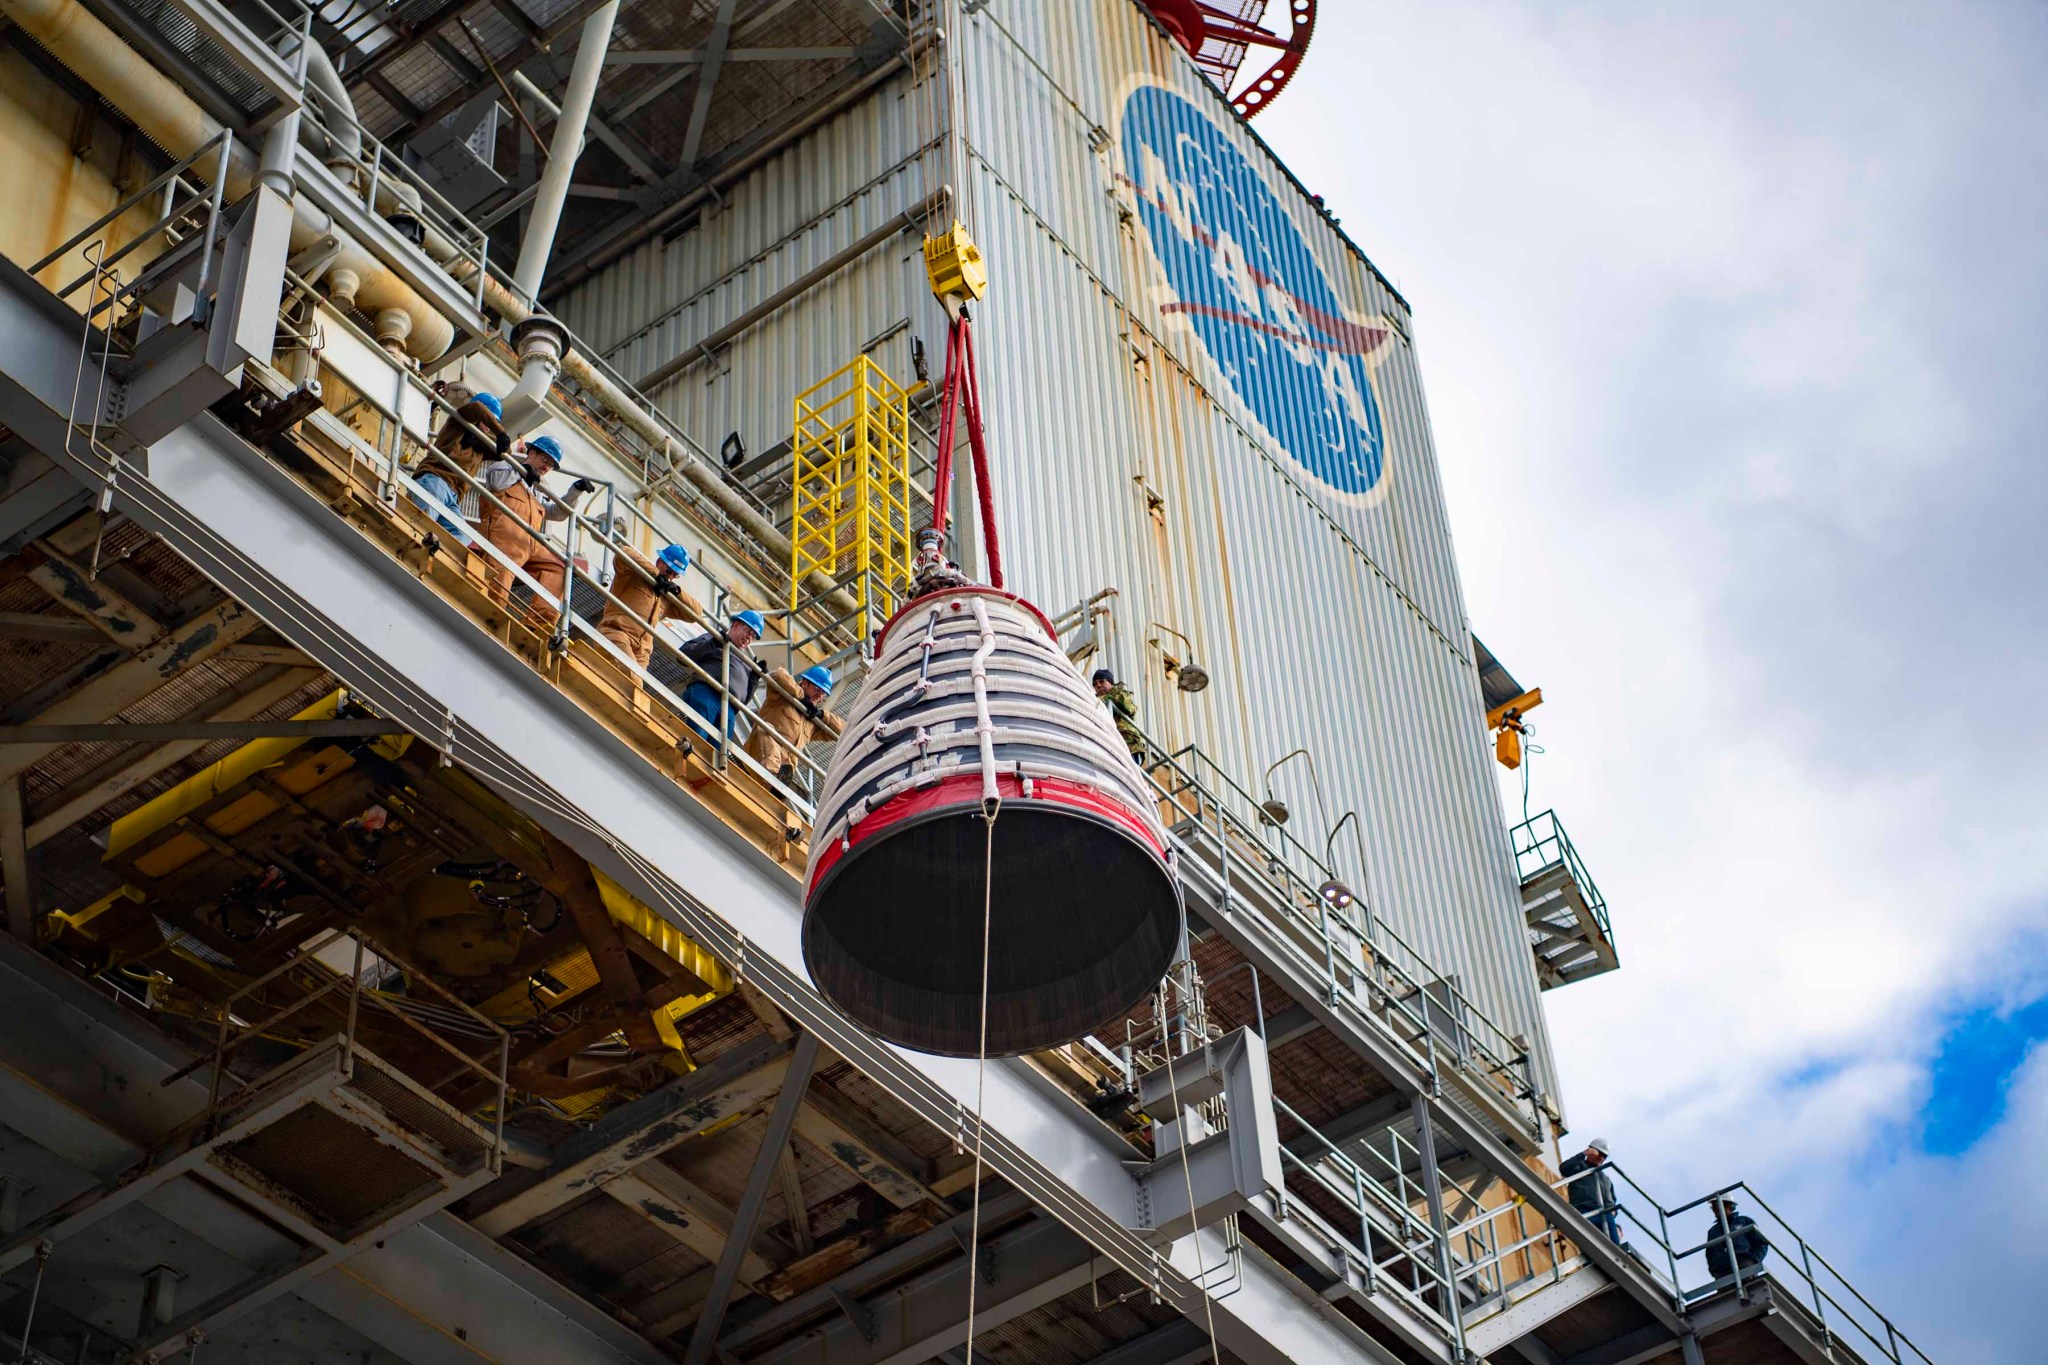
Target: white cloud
1731	323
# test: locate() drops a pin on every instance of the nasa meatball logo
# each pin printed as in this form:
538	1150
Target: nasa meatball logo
1239	274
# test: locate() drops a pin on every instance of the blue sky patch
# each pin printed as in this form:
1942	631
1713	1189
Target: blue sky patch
1974	1069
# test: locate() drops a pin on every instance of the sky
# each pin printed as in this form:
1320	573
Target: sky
1731	320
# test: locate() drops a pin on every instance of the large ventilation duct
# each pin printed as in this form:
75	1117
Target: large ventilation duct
175	122
343	142
540	343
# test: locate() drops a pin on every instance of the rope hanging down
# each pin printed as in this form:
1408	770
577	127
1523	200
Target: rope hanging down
960	397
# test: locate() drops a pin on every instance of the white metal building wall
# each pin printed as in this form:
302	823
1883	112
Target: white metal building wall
1123	456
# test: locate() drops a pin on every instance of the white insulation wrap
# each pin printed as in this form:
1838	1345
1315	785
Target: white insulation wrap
979	777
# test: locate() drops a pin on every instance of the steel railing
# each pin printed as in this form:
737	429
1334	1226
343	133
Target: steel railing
1348	943
1540	843
1795	1273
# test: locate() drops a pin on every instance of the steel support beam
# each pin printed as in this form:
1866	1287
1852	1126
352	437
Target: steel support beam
93	791
113	617
437	1293
1177	1343
679	1208
803	1061
26	625
927	1315
736	1082
786	1175
877	1160
20	892
128	682
697	56
200	731
938	1244
707	81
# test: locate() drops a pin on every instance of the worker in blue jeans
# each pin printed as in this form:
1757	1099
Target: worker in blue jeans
742	671
1591	1189
472	435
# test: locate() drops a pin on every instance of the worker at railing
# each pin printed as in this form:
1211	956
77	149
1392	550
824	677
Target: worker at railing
729	655
1123	710
1591	1190
1734	1242
647	591
791	717
515	526
472	435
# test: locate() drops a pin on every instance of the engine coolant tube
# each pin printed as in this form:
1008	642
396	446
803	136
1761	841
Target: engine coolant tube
970	707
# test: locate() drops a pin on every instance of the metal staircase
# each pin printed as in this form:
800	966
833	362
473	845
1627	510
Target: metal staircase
1568	928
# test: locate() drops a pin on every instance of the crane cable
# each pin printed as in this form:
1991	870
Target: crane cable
990	810
1187	1173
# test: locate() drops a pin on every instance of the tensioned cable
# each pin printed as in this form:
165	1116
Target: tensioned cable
988	871
35	1293
1187	1175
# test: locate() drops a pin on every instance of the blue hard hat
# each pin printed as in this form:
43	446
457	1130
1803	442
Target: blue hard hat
752	620
819	674
490	401
677	558
545	445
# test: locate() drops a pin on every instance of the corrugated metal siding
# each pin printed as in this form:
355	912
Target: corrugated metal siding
1325	624
849	177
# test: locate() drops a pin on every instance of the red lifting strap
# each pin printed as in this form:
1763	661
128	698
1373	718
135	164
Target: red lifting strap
961	393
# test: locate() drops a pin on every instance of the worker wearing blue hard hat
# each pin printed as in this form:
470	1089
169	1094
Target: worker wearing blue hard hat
470	436
792	715
515	519
727	654
646	592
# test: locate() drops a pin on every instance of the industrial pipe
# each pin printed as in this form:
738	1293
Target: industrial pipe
540	343
174	121
341	134
634	414
562	152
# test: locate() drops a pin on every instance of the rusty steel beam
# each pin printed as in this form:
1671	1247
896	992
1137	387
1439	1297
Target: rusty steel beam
738	1081
128	682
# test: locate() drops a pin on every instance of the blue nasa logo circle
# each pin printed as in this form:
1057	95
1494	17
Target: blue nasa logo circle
1242	277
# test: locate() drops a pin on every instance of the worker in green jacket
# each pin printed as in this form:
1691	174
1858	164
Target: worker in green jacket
1122	710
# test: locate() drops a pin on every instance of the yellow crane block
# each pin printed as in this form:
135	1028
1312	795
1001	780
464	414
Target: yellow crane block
954	265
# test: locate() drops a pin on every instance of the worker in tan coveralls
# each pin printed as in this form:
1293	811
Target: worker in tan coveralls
650	592
791	717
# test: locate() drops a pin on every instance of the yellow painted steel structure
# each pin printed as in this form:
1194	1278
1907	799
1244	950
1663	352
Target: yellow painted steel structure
850	482
953	264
